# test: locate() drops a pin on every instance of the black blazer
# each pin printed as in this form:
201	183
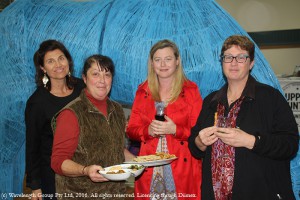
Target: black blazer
262	173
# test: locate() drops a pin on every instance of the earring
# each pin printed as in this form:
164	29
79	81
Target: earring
45	79
69	74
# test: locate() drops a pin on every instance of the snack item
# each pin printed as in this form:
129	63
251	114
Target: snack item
215	118
116	172
113	168
153	157
135	167
163	155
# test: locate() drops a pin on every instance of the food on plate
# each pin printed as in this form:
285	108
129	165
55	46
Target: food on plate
153	157
135	167
116	172
146	158
163	155
117	167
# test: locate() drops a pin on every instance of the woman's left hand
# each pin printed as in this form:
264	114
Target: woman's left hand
163	128
235	137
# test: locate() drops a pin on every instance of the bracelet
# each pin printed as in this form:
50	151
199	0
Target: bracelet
83	170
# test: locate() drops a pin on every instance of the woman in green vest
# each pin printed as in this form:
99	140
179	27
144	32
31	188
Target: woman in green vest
89	134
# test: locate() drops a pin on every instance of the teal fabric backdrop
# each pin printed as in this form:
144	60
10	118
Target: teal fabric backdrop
123	30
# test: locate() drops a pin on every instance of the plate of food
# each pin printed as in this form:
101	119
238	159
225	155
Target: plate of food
116	173
120	172
152	160
136	169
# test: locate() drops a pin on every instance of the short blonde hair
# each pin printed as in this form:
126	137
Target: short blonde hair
180	77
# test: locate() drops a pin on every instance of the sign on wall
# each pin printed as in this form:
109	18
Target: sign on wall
291	89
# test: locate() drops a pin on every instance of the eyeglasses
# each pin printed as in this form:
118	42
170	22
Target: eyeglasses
241	58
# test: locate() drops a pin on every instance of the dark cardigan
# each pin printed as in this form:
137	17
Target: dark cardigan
262	173
40	108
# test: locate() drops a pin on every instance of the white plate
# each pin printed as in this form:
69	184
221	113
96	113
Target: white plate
135	172
116	177
126	168
153	163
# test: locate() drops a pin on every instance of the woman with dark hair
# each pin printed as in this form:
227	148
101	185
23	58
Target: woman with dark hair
41	76
93	138
55	88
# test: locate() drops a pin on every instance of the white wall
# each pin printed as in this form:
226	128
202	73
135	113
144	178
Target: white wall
269	15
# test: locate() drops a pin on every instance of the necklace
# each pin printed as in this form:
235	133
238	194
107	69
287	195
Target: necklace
233	99
233	95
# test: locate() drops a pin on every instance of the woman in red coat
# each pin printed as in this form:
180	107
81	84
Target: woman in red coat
180	99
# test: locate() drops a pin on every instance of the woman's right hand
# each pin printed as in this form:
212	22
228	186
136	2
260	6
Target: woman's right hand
36	194
206	137
92	172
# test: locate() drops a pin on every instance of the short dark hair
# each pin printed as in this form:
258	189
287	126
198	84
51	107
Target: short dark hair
242	41
105	63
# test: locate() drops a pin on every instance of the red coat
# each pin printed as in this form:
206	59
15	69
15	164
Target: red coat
184	112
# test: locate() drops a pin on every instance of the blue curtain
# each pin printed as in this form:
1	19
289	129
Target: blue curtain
123	30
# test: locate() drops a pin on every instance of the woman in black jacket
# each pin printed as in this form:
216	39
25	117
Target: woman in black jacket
250	159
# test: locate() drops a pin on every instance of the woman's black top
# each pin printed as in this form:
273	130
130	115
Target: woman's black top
40	108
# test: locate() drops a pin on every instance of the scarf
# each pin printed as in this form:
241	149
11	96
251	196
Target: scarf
223	155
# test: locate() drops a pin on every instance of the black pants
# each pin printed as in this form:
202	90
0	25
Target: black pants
48	184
